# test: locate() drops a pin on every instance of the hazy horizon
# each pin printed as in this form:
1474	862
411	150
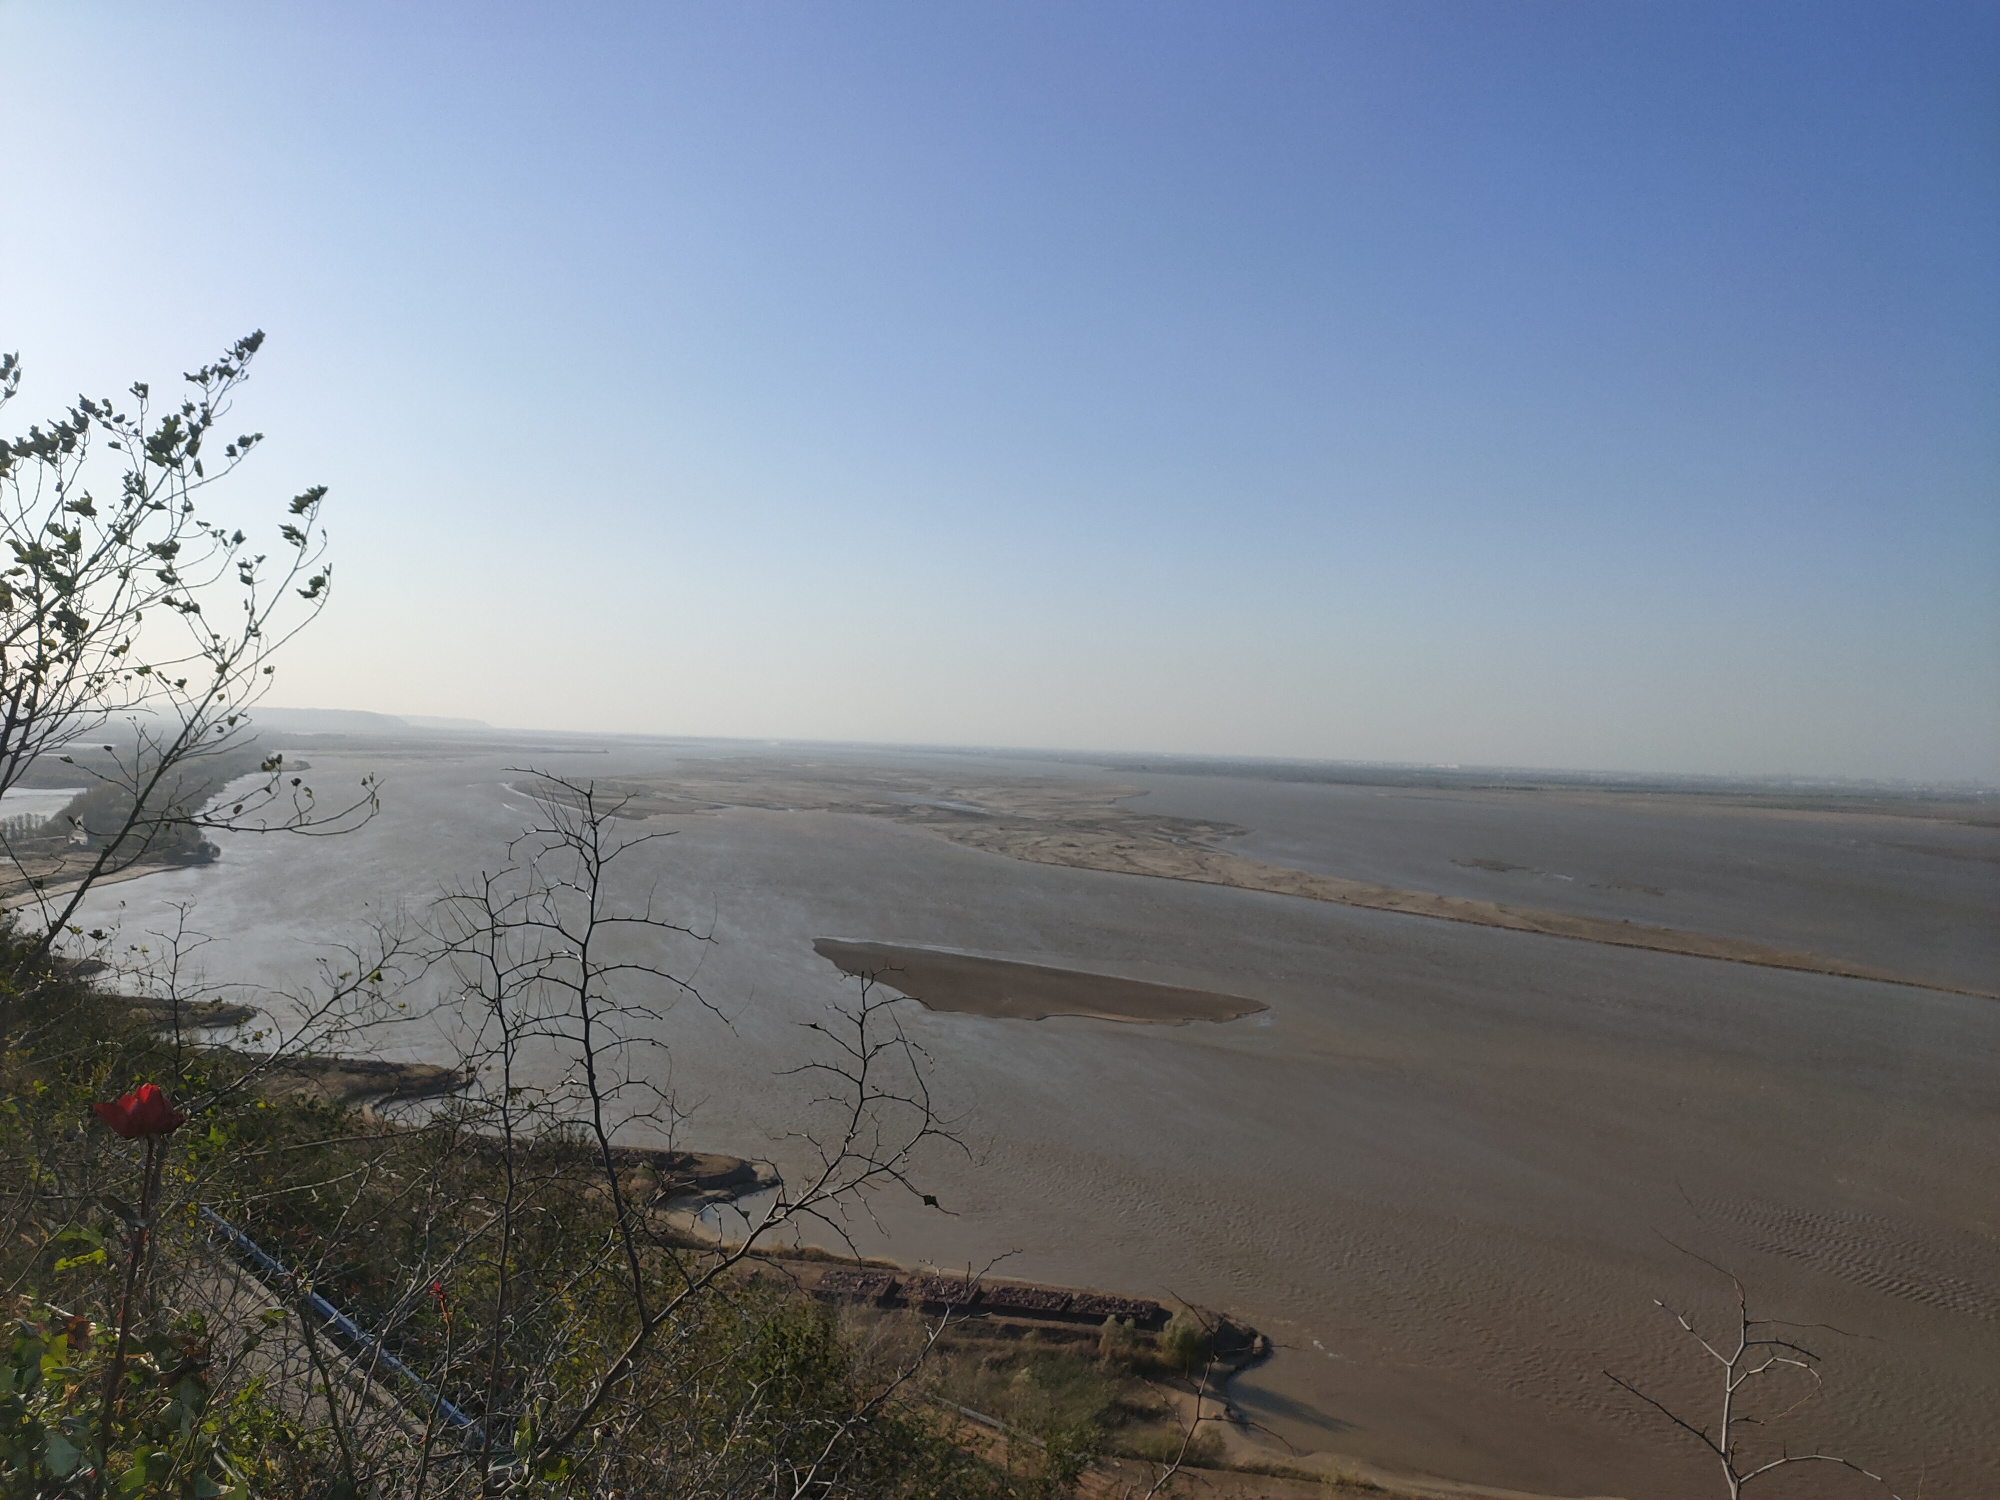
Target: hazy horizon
1535	386
418	720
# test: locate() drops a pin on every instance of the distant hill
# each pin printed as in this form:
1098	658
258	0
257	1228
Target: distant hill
428	721
355	721
328	721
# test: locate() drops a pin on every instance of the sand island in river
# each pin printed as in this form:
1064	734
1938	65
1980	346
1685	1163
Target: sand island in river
941	979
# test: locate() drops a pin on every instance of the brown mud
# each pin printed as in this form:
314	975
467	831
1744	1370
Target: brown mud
942	980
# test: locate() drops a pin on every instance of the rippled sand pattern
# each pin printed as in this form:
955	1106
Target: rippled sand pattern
1953	1273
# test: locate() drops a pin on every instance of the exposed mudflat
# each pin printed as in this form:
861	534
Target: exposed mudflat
966	982
1099	825
1448	1170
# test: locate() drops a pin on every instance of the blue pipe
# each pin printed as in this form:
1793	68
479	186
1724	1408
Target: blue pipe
334	1318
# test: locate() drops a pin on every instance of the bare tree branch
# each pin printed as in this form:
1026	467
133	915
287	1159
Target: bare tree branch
1752	1353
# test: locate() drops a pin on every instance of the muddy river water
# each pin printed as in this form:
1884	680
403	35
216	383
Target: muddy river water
1448	1169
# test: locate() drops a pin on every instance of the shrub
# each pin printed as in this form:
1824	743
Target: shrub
1185	1344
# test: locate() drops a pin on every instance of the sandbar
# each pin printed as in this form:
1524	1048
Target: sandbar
943	980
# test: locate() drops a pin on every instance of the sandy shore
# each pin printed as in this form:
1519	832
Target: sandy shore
19	897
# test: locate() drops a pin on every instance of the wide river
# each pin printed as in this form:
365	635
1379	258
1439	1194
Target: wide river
1448	1170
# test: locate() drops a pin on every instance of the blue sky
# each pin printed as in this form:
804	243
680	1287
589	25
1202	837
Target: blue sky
1595	385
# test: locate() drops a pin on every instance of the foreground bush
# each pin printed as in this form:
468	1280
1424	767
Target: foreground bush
533	1323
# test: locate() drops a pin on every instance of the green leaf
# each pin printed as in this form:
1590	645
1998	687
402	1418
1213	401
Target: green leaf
60	1455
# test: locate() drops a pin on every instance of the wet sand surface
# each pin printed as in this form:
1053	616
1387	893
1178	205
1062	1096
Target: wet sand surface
938	979
1447	1169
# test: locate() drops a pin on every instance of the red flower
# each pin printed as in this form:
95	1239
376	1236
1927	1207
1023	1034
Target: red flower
144	1111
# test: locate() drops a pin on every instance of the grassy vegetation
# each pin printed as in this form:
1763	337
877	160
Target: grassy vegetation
1076	1390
